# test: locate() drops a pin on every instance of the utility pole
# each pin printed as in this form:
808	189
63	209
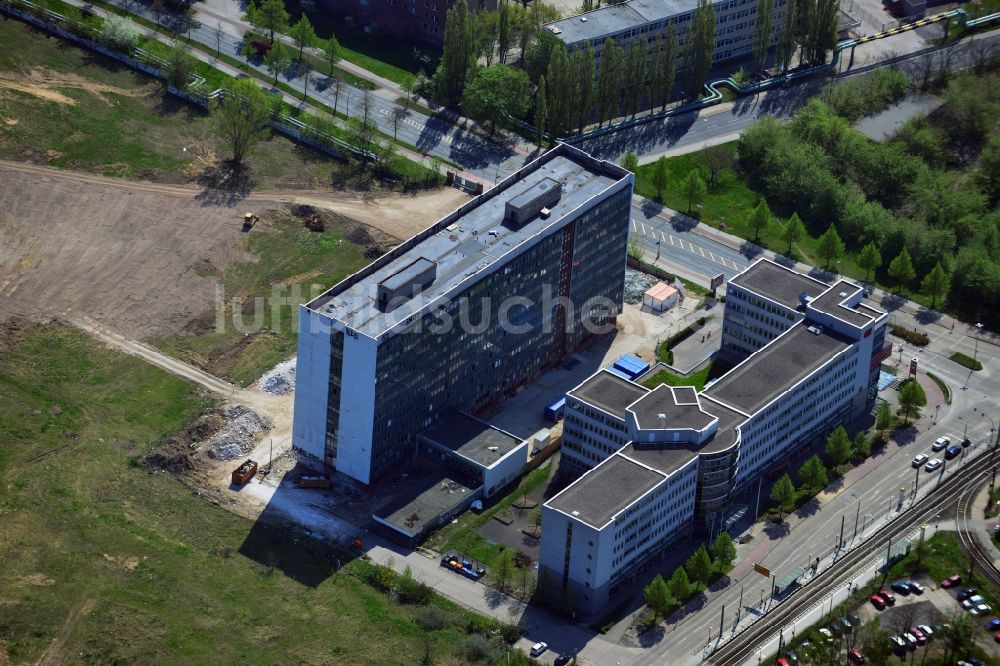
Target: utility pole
857	517
840	542
760	481
722	619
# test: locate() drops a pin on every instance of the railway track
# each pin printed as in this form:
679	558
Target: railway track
953	493
968	536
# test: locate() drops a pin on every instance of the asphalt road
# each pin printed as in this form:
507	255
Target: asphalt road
489	160
668	237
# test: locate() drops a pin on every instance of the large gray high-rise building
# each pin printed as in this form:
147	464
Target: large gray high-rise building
462	314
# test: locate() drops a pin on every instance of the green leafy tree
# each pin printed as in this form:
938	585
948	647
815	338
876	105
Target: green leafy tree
269	15
698	47
680	584
715	159
826	25
660	176
180	64
901	268
240	116
456	56
504	568
303	34
658	597
838	446
541	112
911	398
830	247
759	218
505	30
609	81
785	48
629	162
869	259
723	550
120	32
582	62
559	85
495	92
331	53
862	445
762	30
783	494
699	566
636	57
793	231
988	172
806	30
958	635
276	60
694	189
813	476
935	283
884	418
667	66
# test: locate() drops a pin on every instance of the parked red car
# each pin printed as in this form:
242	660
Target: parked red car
889	597
952	581
856	657
877	601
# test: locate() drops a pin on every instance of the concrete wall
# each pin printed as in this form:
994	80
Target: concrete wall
357	408
312	375
505	470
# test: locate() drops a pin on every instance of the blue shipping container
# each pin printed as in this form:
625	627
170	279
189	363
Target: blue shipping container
554	412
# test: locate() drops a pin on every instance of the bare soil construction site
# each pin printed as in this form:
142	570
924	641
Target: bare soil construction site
127	254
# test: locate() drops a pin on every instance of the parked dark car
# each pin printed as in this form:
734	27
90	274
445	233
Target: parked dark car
952	451
901	587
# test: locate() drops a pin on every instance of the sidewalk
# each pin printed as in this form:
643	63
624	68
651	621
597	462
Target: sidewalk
226	68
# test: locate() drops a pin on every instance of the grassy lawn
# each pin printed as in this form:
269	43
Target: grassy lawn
696	379
291	259
966	361
463	535
390	58
132	566
137	131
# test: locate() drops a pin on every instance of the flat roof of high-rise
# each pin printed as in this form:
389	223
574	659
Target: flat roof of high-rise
777	367
610	20
472	240
600	494
608	391
780	284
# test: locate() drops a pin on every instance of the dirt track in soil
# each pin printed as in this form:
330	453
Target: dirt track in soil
124	254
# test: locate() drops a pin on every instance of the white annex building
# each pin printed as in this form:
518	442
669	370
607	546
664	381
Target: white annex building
659	463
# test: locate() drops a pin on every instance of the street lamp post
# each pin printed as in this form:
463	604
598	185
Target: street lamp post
979	330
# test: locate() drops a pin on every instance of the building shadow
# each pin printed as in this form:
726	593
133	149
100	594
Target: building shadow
284	541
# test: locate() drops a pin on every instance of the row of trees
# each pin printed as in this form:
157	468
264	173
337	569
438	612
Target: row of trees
662	596
921	204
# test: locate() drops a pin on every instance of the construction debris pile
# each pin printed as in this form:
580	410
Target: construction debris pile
636	284
238	436
279	380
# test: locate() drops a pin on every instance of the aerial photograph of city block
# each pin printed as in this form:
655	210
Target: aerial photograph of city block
500	332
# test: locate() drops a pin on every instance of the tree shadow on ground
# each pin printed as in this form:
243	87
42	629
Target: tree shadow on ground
750	250
926	316
652	636
682	222
782	260
651	208
891	302
904	434
809	509
777	530
225	183
690	608
822	274
720	583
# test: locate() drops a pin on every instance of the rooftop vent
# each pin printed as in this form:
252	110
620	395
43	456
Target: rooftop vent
805	298
843	294
583	19
541	196
815	330
405	284
554	30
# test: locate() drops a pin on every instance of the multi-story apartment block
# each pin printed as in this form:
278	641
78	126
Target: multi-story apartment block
810	363
644	19
420	20
463	313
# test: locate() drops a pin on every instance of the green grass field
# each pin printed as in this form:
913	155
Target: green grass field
291	259
129	566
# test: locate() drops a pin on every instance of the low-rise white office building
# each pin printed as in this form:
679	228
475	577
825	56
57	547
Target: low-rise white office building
818	370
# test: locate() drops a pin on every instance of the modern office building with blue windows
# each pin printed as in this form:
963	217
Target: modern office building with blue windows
462	314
